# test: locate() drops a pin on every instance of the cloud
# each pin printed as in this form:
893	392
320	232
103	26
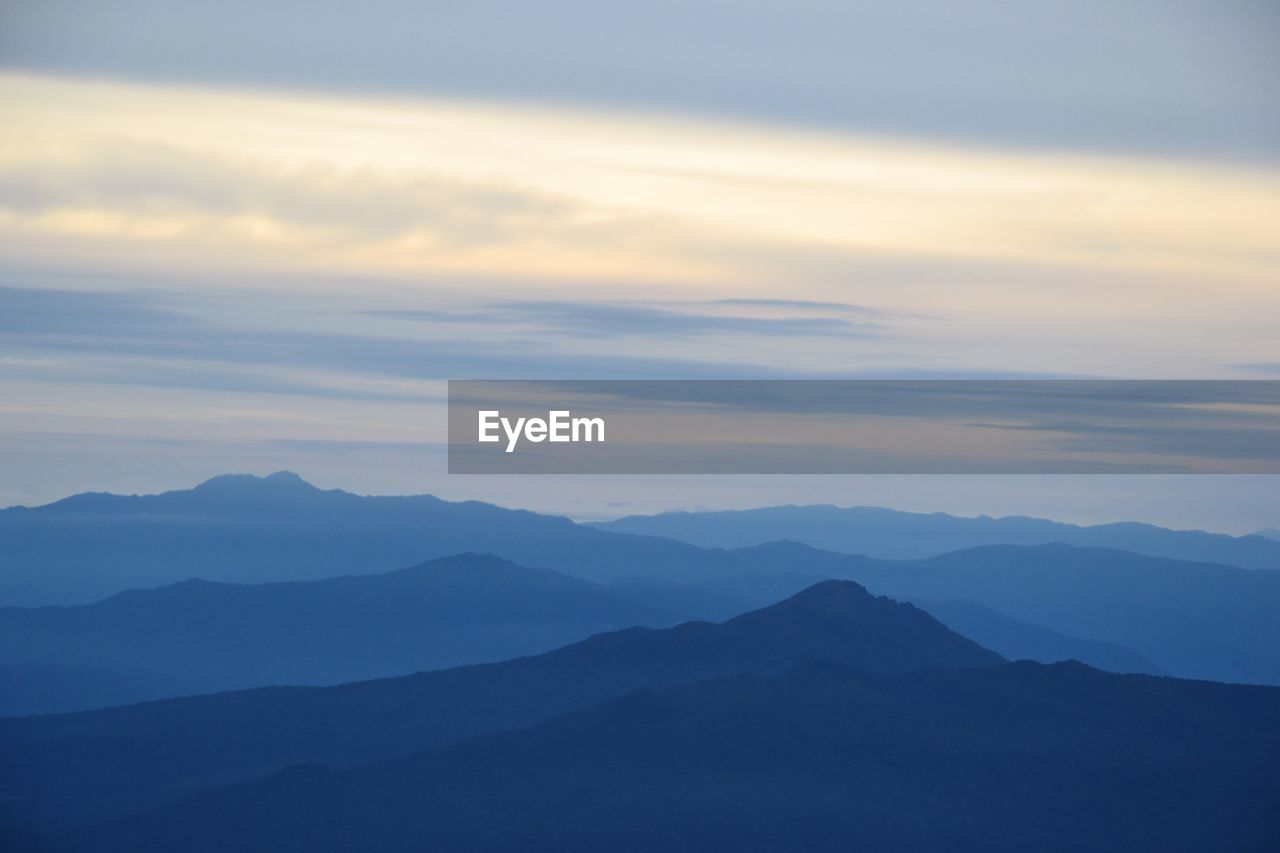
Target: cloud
1156	76
121	175
613	319
32	312
1269	367
1222	437
138	181
150	339
798	303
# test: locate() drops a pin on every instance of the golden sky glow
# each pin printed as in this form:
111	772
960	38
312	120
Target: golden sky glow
162	176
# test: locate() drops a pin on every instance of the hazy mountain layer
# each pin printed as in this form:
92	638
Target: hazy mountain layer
203	637
245	529
893	534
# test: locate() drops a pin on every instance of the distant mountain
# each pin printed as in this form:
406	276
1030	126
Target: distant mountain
202	637
1268	533
245	529
1010	758
1200	620
895	535
90	766
1018	640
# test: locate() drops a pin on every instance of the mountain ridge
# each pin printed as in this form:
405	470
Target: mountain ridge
201	636
96	764
242	528
896	534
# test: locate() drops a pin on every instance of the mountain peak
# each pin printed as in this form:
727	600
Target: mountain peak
283	477
838	621
830	597
277	481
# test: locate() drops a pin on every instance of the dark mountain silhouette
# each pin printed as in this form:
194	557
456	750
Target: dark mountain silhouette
92	765
1192	620
896	535
1011	638
1010	758
202	637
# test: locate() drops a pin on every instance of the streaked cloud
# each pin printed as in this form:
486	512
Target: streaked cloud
163	341
223	178
657	322
1175	76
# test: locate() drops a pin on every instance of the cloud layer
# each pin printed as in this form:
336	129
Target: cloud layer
1175	76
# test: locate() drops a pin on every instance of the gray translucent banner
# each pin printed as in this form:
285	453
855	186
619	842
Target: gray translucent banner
864	427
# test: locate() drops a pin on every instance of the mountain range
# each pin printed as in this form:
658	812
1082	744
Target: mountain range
1114	609
246	529
896	535
90	766
832	719
202	637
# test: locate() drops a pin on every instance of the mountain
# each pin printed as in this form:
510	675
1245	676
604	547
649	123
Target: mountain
891	534
1009	758
202	637
1008	637
89	766
1191	620
1268	533
246	529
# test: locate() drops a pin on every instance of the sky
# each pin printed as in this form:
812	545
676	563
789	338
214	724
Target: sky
245	237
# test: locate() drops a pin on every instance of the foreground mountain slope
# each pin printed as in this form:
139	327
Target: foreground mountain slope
202	637
1016	757
81	767
897	535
